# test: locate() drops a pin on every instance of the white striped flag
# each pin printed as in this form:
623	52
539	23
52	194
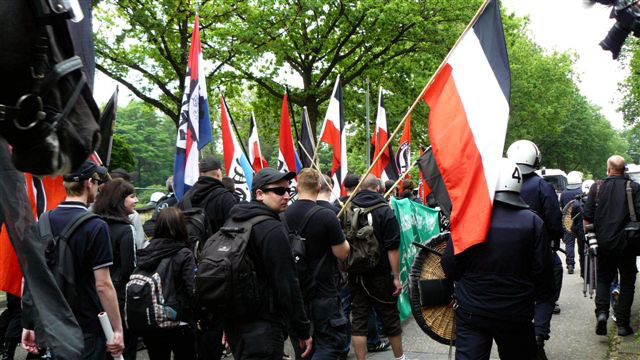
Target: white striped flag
235	162
403	154
194	129
469	111
255	153
385	168
334	134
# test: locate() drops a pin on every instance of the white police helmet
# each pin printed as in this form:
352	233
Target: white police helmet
526	154
574	180
156	196
509	184
586	185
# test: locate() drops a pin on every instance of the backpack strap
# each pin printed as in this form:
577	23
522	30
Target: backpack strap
371	208
305	221
75	223
632	210
44	226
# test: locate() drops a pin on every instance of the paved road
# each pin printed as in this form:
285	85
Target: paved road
572	336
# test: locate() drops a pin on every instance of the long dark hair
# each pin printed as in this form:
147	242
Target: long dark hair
110	200
171	224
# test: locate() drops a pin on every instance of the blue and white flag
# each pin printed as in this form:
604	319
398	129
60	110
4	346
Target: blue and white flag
194	131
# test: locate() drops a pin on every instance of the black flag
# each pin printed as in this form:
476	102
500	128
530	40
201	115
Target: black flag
307	140
431	174
107	126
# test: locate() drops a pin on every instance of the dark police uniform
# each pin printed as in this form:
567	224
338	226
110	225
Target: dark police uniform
542	199
568	238
498	282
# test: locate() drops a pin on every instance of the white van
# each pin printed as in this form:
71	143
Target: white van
556	177
633	170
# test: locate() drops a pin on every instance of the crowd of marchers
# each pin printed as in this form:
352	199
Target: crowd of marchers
209	275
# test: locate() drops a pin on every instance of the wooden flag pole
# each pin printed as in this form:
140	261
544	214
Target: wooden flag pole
395	184
317	168
415	103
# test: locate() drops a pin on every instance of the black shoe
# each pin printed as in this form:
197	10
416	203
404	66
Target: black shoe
383	345
601	325
541	355
556	309
570	269
624	330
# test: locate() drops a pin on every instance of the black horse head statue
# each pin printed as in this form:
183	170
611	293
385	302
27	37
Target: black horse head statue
47	112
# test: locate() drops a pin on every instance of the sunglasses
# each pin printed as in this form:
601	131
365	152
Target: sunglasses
280	191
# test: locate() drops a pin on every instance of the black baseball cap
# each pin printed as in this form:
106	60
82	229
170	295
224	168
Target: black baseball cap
351	181
269	176
208	164
84	172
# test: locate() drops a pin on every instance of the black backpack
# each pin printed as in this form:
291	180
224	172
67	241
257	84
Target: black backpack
306	277
226	282
198	224
59	256
151	301
365	247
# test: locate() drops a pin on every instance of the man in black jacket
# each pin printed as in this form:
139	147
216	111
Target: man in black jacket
263	337
498	280
607	209
210	194
381	286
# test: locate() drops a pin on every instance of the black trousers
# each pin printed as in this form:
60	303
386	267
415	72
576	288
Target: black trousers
608	265
161	343
256	340
209	342
475	335
329	329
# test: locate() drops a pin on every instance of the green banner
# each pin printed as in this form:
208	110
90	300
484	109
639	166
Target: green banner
418	223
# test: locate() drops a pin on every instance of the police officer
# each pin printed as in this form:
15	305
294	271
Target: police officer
542	199
574	180
499	280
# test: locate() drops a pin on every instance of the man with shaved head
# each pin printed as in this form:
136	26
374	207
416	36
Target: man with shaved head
607	208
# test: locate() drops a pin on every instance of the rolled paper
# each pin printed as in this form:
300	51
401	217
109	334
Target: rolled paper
108	330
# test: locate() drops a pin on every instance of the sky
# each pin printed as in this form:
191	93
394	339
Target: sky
567	25
562	25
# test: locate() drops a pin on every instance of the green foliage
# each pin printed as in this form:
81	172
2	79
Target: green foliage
145	195
151	138
121	155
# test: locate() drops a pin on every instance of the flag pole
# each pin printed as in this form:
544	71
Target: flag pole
395	184
244	150
415	103
317	168
305	118
366	100
293	117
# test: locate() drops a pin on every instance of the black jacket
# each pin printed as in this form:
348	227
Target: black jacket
183	265
385	226
124	254
542	199
270	250
611	214
209	193
503	276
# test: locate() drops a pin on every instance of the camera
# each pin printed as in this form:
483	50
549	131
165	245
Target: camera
627	15
590	237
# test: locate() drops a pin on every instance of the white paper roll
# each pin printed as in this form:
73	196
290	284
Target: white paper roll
108	330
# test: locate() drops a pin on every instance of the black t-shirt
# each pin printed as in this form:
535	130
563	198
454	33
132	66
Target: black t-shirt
91	248
321	233
328	205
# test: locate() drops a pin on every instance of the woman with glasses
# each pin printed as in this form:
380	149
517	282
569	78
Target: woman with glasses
115	202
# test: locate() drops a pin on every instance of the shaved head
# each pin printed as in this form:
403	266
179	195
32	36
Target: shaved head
371	182
615	165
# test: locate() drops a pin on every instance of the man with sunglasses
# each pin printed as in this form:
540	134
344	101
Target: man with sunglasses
90	247
263	337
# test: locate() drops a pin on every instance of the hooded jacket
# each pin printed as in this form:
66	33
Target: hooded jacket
273	259
209	193
183	265
124	254
385	226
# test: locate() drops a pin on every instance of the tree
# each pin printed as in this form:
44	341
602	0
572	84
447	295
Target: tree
121	155
151	138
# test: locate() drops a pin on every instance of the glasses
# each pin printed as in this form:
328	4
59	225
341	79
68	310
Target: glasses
280	191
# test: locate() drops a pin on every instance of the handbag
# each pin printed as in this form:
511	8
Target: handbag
632	229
